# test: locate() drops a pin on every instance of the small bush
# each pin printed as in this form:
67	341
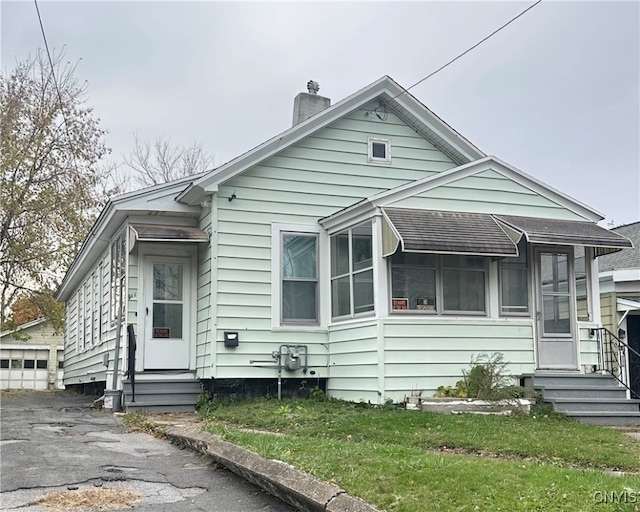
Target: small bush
489	379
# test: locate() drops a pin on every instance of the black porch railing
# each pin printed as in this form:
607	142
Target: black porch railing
131	360
615	355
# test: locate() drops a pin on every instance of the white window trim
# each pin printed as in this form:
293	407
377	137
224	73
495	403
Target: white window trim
387	150
276	277
440	312
530	284
351	273
113	286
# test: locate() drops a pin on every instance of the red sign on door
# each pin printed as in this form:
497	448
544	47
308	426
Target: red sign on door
162	332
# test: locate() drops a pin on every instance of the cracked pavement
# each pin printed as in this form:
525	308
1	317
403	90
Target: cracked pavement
53	441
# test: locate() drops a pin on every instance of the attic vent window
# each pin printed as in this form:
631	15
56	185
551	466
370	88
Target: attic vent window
379	151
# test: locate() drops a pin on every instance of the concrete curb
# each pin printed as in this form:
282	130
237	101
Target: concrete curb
300	490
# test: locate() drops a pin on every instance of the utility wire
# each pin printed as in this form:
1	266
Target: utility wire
55	80
57	88
467	50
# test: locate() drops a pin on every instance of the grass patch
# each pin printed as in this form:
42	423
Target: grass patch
88	499
407	461
140	423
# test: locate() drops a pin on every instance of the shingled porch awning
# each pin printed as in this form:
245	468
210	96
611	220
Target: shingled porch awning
564	232
444	232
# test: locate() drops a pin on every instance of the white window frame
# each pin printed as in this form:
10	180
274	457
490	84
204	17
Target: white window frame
351	273
509	263
117	273
588	255
79	321
387	151
100	300
439	310
277	230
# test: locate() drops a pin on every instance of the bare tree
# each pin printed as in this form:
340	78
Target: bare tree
163	162
50	145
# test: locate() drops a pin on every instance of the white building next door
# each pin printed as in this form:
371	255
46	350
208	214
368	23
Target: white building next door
167	293
555	315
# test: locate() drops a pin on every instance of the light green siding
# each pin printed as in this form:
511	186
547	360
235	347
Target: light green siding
203	302
314	178
353	362
419	354
84	359
427	353
488	192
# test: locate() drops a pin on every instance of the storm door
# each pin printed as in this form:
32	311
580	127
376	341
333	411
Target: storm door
167	303
555	315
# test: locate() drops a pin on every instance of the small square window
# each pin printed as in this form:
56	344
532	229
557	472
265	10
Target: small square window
379	151
29	364
4	363
16	364
60	365
41	364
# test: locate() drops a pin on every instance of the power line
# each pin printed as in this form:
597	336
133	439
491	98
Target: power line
57	88
467	50
53	74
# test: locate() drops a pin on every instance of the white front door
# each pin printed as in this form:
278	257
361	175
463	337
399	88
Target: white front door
167	296
555	305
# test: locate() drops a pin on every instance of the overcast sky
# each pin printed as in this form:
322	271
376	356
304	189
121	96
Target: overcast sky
555	94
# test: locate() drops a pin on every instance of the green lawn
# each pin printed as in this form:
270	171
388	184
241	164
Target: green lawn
408	461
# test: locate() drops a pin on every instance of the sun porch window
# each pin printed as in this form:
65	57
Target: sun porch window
438	284
514	283
352	271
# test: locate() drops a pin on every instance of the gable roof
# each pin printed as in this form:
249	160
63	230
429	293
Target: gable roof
387	91
159	198
22	327
430	182
627	258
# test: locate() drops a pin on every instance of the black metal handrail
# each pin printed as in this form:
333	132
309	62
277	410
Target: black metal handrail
131	360
615	354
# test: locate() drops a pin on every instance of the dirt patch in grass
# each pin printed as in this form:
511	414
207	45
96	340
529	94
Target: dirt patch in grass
89	499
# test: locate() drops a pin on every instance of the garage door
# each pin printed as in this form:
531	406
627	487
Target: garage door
24	368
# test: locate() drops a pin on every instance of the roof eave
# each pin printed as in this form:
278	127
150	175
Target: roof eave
448	138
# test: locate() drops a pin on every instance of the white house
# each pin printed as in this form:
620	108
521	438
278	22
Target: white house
31	357
370	249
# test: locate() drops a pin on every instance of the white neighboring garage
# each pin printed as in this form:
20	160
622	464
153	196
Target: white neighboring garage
31	357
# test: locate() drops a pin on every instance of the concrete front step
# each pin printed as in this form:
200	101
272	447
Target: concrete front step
589	398
571	379
582	391
162	395
593	405
608	419
160	407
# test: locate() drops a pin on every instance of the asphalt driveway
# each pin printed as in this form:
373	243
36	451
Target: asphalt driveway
53	442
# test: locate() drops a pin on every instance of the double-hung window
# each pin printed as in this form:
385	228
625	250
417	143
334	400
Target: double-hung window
299	274
352	271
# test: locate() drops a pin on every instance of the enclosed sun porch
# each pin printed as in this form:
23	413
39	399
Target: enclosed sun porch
416	294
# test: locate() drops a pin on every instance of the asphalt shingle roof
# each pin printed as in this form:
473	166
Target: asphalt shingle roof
626	258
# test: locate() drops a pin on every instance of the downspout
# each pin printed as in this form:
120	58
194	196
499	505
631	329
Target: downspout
116	361
213	286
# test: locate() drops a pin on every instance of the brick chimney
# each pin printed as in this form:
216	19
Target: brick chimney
308	104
